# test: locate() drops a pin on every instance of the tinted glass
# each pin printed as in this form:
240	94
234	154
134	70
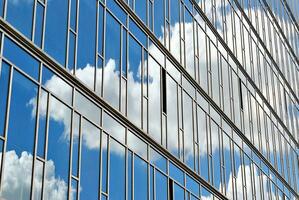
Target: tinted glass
20	139
4	78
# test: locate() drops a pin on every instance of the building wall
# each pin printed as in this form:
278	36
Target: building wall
149	99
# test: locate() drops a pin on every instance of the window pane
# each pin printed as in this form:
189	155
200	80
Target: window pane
86	42
38	180
178	192
38	34
20	139
154	103
57	164
159	19
137	145
140	178
87	108
90	161
4	78
161	186
76	144
134	82
56	30
172	117
140	9
114	128
188	131
176	173
20	58
57	85
158	160
117	171
43	107
19	14
112	61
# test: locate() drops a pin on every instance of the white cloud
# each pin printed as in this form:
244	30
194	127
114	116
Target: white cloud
16	181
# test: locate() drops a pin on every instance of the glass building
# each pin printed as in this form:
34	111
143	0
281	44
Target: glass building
149	99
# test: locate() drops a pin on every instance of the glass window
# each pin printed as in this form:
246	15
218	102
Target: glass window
137	32
112	61
90	161
178	192
86	42
189	44
154	102
202	54
140	178
76	144
117	11
72	51
42	124
38	179
39	21
159	19
161	186
20	15
158	160
57	85
192	185
172	116
87	108
4	79
56	30
175	29
140	9
137	145
176	173
104	162
17	170
20	58
215	143
188	130
100	29
57	164
73	15
114	128
134	82
214	73
117	171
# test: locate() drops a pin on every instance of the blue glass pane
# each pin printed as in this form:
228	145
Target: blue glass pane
178	192
90	161
22	115
192	185
100	29
161	186
74	189
159	18
56	30
130	175
158	160
140	9
1	7
4	78
140	178
138	33
117	11
124	54
104	162
112	61
38	34
117	171
176	173
20	14
72	51
21	58
58	146
86	35
73	16
20	139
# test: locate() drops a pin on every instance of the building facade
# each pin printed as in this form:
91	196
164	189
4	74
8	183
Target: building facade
149	99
